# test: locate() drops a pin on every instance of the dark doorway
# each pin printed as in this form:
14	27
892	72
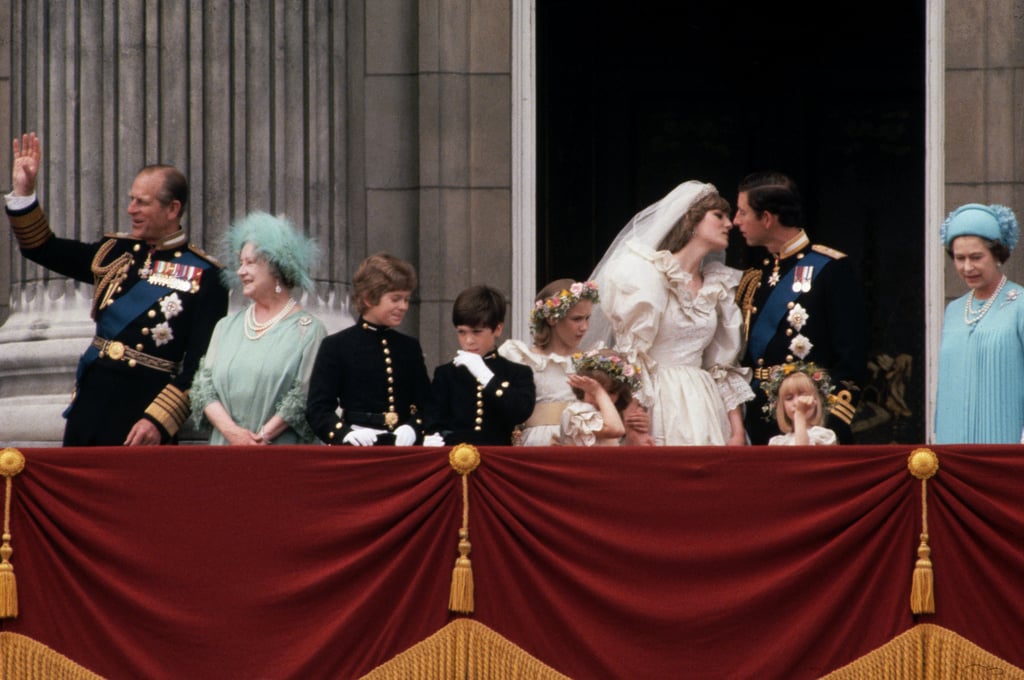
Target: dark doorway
635	97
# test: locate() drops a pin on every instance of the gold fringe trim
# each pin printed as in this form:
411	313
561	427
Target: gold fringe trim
924	652
463	458
923	464
464	649
11	463
25	659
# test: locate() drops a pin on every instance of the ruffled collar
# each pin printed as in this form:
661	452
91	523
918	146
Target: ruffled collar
718	278
521	353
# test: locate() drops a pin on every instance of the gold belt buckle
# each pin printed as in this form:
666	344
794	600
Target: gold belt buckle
390	418
115	350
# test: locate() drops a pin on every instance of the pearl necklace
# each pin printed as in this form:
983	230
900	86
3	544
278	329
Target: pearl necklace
254	330
972	317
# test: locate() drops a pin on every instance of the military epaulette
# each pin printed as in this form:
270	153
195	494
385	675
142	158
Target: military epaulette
830	252
205	255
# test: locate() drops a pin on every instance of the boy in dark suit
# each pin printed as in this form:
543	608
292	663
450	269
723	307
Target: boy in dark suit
479	397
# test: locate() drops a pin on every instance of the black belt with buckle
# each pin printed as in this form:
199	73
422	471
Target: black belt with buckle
388	420
116	350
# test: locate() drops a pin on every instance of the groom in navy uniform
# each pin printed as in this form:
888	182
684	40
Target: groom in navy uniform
802	303
155	302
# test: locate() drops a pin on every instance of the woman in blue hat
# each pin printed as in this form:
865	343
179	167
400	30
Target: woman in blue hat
980	397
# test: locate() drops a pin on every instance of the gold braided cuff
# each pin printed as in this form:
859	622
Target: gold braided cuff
841	406
31	229
170	409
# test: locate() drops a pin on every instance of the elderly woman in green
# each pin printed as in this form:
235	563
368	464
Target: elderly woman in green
251	385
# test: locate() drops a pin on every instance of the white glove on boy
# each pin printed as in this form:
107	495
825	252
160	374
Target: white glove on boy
475	364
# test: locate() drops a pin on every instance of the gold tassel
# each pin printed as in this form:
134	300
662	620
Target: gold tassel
11	463
8	584
461	598
923	464
922	591
464	458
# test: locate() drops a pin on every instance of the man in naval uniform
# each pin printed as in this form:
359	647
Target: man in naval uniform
155	303
802	303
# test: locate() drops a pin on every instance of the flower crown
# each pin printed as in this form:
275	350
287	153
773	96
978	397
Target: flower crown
557	306
777	374
612	365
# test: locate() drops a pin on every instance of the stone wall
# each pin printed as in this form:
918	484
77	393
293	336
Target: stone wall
984	112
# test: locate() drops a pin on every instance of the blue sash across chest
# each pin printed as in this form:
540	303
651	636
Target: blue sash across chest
129	306
777	304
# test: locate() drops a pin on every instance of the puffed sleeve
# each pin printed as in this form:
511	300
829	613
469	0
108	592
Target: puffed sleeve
721	356
821	436
580	424
634	295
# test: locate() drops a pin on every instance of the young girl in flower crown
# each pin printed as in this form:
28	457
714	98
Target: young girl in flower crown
797	394
558	321
604	382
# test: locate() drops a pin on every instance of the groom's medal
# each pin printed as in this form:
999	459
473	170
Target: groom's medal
802	276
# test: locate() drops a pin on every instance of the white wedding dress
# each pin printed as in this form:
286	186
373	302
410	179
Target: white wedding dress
688	345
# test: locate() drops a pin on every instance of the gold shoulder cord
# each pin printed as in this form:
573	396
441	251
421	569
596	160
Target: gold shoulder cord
749	284
108	277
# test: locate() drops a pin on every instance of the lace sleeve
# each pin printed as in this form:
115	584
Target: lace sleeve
291	407
201	395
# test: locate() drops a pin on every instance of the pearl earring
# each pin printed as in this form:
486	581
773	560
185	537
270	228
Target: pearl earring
277	288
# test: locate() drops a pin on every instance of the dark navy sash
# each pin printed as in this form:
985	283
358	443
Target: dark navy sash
777	304
127	308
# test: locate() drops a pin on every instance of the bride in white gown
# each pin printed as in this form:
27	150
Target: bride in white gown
669	304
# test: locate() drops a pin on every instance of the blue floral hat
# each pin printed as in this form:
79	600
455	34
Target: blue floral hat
993	222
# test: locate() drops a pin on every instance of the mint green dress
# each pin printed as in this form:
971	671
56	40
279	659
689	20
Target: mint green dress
256	379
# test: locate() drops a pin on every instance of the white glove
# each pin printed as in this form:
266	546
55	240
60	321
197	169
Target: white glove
433	440
475	364
405	435
364	436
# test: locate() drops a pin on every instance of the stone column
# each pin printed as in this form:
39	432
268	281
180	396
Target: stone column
465	158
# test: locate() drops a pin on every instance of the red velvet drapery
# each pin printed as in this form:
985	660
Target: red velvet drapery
315	562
